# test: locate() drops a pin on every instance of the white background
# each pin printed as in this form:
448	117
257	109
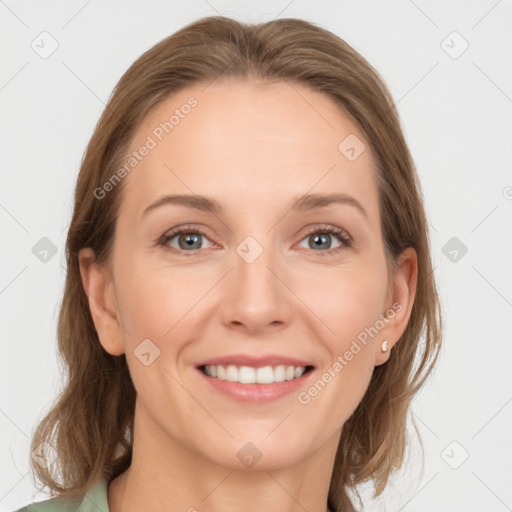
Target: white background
457	116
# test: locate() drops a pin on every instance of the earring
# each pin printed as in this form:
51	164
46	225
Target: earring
384	345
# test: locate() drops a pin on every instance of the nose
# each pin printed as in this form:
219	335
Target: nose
255	296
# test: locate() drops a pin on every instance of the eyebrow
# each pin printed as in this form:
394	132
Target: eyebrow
302	203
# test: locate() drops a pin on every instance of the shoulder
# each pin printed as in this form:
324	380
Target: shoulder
95	500
58	504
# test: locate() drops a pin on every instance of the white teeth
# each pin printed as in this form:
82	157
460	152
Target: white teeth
247	375
250	375
279	373
265	375
232	373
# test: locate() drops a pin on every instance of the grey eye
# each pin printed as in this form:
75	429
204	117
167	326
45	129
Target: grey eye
186	241
320	241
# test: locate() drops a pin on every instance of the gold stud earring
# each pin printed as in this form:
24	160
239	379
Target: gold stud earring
384	345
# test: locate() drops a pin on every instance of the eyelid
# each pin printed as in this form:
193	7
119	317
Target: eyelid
182	229
327	228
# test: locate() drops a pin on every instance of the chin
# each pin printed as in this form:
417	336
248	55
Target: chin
261	452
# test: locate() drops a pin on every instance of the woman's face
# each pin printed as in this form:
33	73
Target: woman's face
257	284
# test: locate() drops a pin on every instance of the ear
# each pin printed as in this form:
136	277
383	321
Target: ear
403	292
99	288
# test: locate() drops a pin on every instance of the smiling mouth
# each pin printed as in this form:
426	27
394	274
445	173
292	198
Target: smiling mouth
253	375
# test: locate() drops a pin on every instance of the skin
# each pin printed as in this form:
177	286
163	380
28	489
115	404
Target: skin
253	148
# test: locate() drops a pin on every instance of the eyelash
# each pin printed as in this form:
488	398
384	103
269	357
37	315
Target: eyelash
345	239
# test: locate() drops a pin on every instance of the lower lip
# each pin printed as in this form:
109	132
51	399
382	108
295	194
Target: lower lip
256	392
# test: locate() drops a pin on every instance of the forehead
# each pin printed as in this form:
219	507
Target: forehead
249	144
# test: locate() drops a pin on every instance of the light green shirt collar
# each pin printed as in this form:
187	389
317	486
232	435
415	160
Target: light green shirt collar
95	500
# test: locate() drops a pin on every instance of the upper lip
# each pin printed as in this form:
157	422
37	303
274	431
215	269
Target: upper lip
255	362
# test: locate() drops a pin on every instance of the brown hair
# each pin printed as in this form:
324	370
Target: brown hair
90	424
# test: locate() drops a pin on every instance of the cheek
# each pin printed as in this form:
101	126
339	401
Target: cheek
157	304
347	302
155	300
162	305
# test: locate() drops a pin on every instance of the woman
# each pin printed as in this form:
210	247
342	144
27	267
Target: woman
250	304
